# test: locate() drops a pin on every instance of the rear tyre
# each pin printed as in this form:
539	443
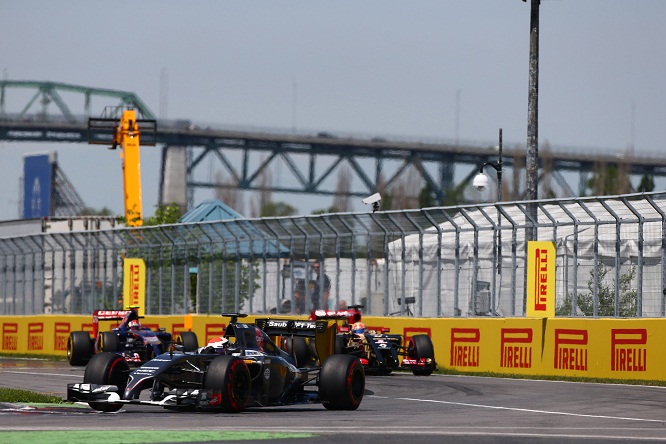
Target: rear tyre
79	348
189	341
420	347
298	348
107	369
230	375
341	383
108	342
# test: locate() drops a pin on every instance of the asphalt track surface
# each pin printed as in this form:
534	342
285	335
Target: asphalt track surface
397	408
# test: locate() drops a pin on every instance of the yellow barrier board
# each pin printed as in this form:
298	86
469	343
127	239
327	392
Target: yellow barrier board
596	348
540	291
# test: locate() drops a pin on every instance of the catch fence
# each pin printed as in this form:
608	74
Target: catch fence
437	262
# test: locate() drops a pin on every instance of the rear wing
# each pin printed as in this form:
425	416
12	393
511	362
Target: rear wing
322	331
350	315
109	315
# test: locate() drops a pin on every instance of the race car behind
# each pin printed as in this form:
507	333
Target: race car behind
126	337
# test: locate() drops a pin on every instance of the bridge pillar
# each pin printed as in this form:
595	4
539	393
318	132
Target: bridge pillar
173	180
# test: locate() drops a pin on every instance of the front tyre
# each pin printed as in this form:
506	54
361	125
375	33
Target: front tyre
107	369
79	348
341	382
189	341
420	347
230	375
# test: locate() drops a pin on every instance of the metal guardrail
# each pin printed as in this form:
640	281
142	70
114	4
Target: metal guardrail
435	262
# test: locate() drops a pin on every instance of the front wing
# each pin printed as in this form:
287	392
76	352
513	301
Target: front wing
178	398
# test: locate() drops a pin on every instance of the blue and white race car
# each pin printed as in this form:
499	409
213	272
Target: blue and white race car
242	369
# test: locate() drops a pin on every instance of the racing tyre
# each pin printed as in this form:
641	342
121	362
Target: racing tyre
298	348
79	348
107	369
339	347
108	342
189	341
230	375
341	382
420	346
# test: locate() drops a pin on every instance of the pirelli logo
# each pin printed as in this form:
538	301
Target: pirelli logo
465	347
36	336
134	284
541	279
60	335
629	350
516	348
10	336
571	349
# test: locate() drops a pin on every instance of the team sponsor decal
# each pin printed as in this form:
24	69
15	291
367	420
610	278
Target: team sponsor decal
571	349
627	355
10	336
465	347
60	335
541	279
298	325
516	348
36	336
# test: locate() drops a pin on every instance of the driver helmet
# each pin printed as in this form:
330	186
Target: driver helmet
358	328
134	325
218	344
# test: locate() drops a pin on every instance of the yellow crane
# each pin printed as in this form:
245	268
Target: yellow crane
128	133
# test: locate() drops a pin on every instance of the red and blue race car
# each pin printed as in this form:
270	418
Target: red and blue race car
126	337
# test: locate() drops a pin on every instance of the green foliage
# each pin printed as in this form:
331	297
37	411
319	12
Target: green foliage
88	211
609	180
646	185
606	295
225	272
164	215
426	197
277	209
454	196
325	211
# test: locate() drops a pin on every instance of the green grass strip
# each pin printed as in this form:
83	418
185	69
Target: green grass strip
141	436
27	397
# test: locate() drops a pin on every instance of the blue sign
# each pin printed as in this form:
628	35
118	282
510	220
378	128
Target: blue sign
37	186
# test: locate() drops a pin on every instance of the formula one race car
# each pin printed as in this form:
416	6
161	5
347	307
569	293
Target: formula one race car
242	369
128	338
379	352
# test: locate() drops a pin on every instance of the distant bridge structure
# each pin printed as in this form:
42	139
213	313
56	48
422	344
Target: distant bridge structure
307	162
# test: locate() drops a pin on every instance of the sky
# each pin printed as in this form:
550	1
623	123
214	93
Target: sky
454	70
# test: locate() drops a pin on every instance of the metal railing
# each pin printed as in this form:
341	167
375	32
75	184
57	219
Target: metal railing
435	262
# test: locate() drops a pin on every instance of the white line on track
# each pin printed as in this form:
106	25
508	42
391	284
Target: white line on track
464	404
69	375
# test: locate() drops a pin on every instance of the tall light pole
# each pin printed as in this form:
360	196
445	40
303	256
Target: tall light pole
532	160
